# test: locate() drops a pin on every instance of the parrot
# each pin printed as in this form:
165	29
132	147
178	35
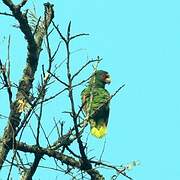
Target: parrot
95	101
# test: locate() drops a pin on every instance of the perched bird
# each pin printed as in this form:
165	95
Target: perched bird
95	99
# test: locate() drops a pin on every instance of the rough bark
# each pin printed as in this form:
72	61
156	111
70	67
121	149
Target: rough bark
34	42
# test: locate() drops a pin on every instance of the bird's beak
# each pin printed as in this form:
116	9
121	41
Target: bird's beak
108	80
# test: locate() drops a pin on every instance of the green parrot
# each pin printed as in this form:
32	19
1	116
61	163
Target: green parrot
95	99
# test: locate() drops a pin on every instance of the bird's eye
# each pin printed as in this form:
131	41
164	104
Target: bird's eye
104	76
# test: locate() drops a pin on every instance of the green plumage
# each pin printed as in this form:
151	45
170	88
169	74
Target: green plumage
96	103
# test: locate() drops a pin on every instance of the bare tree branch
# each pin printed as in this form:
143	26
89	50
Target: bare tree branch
6	14
34	48
55	140
6	81
28	173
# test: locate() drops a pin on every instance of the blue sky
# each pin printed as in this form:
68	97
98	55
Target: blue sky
140	45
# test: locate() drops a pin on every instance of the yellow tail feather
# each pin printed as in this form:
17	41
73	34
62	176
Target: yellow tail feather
99	132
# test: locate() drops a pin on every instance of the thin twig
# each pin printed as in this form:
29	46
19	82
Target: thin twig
84	66
54	96
37	25
6	14
119	171
6	84
104	145
57	49
78	35
62	82
8	63
39	122
59	32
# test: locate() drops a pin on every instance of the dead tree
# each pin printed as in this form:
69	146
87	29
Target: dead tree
28	98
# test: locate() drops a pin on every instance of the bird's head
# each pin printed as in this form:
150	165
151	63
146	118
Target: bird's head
100	78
